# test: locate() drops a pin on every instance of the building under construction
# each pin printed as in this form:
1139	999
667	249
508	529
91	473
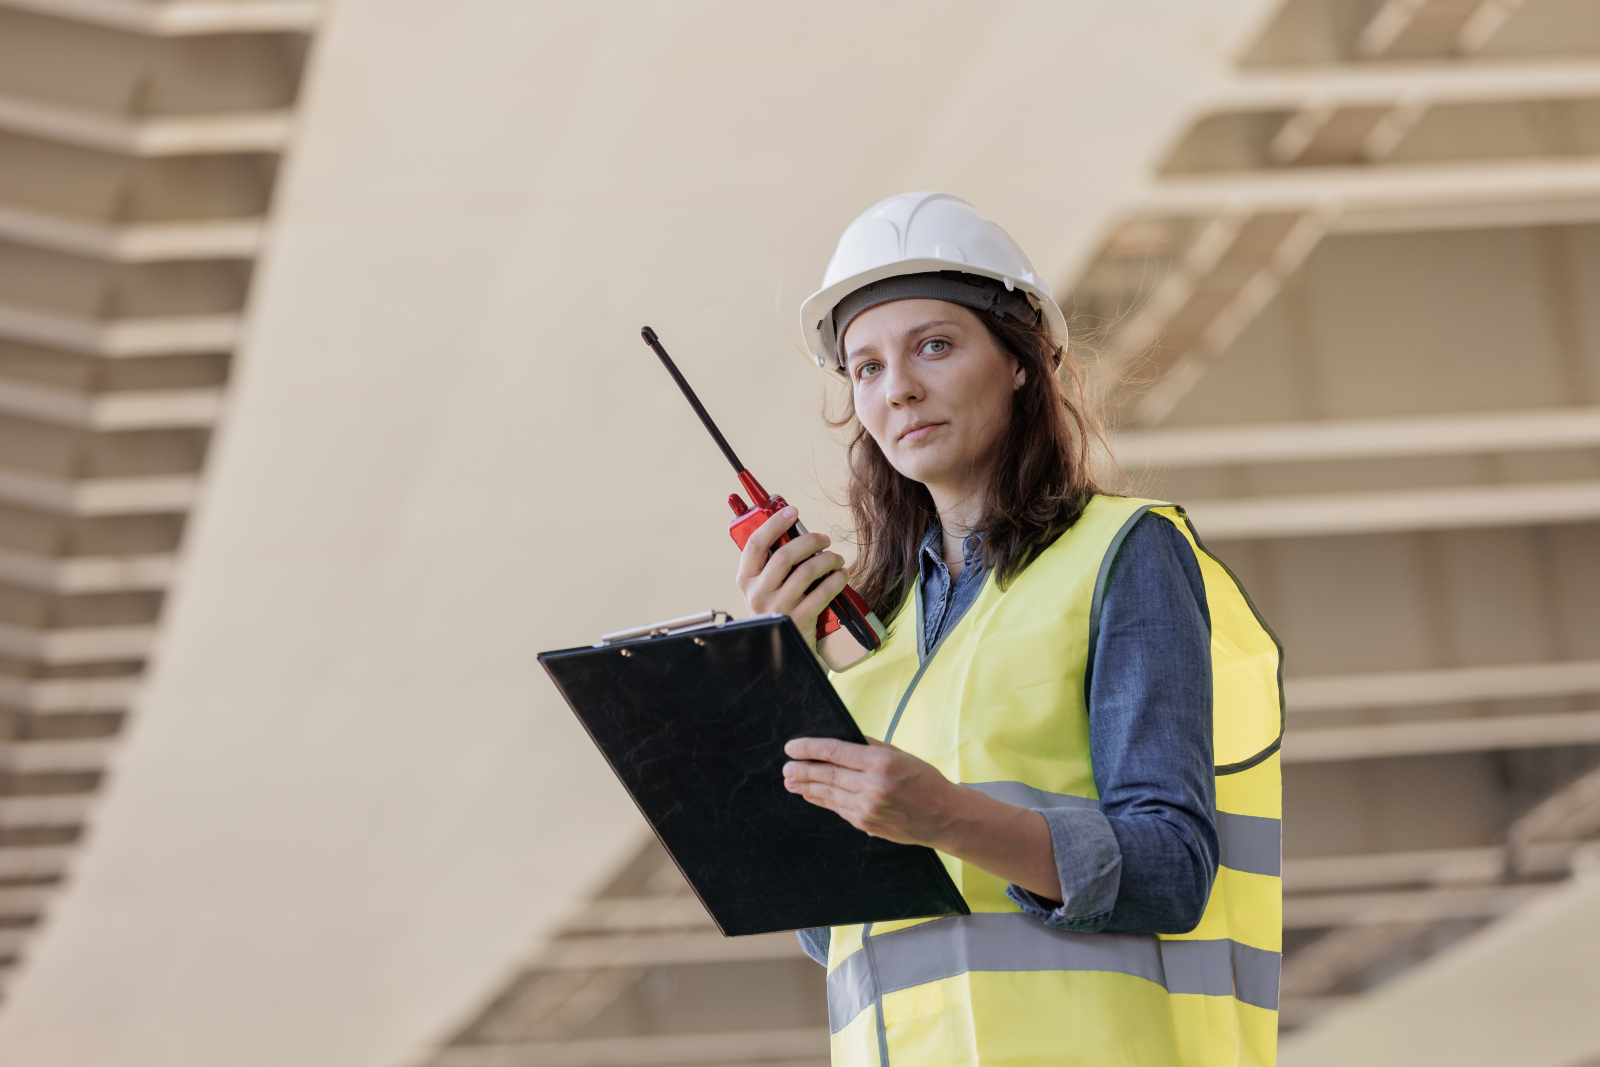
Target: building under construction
322	410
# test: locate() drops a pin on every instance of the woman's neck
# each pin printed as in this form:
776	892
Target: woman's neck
960	511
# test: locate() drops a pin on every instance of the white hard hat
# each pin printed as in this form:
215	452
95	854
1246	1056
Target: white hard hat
919	233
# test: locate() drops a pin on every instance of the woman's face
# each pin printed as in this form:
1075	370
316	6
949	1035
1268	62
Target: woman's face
932	388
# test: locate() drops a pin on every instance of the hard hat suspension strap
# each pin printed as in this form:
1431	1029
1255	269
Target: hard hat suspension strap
956	287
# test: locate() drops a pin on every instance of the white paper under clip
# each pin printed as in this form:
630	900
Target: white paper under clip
701	621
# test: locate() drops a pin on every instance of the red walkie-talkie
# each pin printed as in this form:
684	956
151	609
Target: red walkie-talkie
847	609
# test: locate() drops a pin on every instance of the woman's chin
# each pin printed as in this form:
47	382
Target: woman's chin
922	466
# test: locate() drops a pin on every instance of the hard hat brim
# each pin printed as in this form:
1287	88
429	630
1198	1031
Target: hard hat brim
816	314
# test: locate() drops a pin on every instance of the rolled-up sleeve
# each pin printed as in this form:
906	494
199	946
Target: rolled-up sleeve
1145	860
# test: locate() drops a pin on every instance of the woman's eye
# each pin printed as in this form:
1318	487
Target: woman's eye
936	346
867	369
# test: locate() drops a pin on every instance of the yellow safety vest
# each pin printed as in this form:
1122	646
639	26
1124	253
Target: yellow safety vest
1000	705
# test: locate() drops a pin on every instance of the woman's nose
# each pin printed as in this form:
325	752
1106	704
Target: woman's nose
903	386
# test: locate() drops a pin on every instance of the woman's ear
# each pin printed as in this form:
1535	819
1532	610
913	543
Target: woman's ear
1020	378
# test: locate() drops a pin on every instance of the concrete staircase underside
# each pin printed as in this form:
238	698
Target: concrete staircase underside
139	144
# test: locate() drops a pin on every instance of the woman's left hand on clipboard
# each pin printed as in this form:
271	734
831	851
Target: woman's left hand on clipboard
875	787
889	793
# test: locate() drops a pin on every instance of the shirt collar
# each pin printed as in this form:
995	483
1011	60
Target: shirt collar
931	550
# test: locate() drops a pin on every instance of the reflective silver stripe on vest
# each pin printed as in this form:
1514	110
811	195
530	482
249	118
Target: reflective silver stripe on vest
1250	843
1005	941
1026	796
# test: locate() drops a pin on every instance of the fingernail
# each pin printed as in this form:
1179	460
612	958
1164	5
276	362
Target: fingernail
790	512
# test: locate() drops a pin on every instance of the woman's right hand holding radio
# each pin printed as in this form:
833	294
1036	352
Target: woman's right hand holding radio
778	582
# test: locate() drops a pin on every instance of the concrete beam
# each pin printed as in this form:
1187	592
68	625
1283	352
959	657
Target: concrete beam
1389	84
136	242
1391	689
1393	511
1431	435
153	409
87	644
651	949
35	861
86	574
56	757
176	18
1392	186
54	809
791	1048
1338	743
98	496
1422	905
67	695
1452	866
122	338
614	915
23	899
244	131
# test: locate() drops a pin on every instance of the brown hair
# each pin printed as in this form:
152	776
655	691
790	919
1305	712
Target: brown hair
1039	483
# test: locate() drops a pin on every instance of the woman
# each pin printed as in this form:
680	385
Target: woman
1076	705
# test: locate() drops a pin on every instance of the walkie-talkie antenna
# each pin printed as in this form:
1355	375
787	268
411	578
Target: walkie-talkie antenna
654	342
847	609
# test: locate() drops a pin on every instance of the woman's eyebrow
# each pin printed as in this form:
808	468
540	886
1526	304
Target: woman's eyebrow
866	349
928	326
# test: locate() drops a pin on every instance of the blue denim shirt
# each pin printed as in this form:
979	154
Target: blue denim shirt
1144	860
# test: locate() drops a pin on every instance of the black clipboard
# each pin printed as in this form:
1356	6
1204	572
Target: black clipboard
692	716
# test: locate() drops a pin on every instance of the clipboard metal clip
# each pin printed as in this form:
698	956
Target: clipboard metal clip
683	624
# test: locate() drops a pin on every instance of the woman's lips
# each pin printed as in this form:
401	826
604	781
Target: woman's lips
920	430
